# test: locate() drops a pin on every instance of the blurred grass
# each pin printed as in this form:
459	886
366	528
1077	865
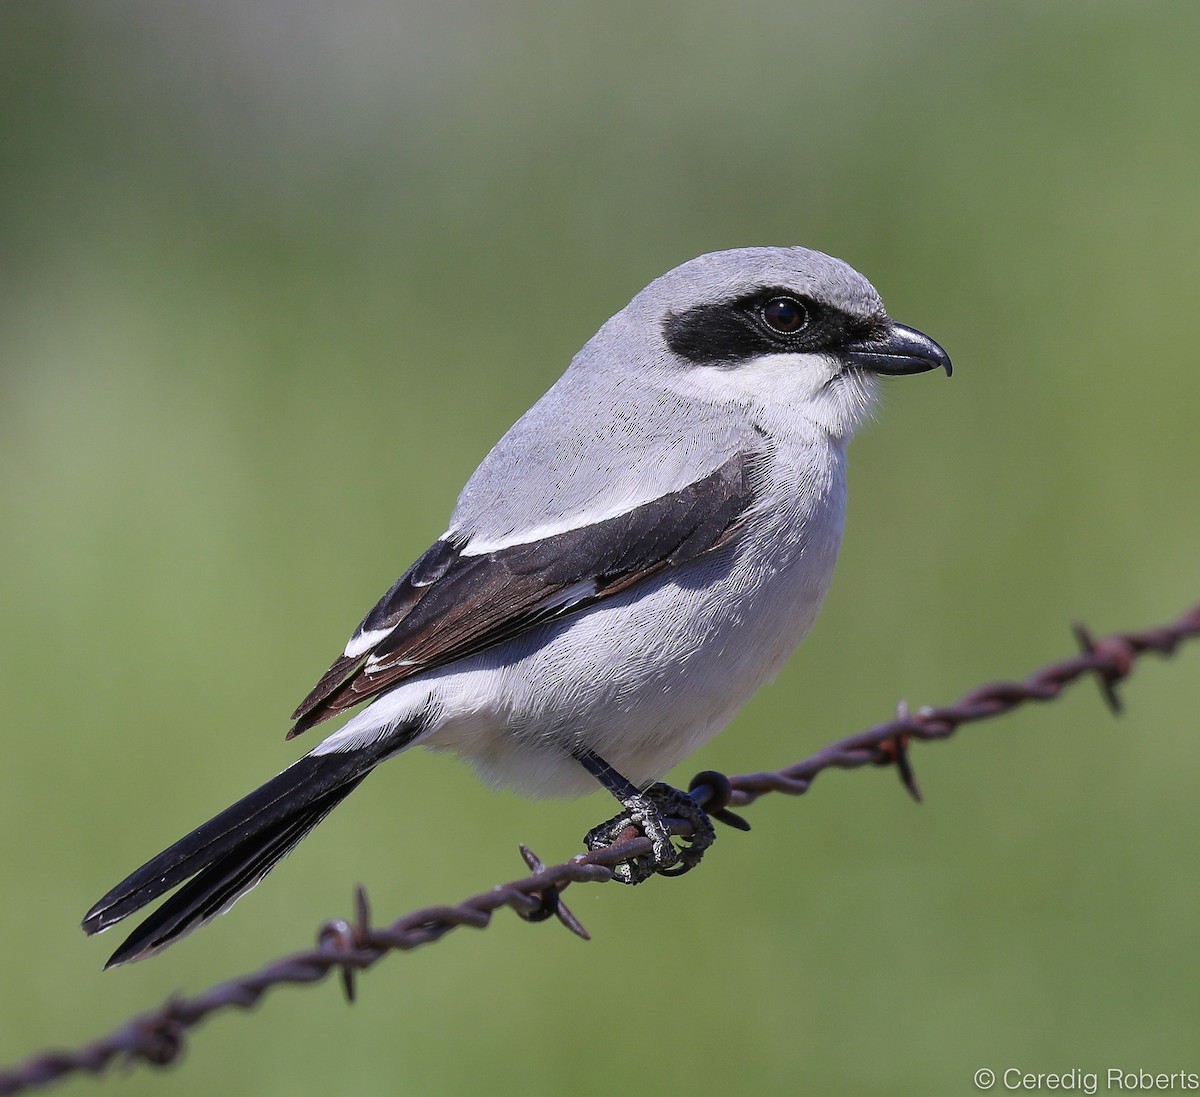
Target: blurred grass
273	277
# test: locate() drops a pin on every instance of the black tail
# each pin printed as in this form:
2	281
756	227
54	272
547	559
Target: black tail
229	854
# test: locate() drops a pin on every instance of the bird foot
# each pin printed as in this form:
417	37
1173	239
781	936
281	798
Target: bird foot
649	812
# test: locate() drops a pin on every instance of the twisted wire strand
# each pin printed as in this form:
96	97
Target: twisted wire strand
347	947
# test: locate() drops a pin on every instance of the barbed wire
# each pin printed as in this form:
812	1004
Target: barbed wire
158	1037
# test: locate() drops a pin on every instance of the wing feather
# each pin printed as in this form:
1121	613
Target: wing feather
449	605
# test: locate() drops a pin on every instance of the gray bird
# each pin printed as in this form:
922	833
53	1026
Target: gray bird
630	563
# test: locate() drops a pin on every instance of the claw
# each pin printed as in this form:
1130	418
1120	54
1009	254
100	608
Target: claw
649	813
712	791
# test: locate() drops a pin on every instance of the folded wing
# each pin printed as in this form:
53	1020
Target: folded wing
451	603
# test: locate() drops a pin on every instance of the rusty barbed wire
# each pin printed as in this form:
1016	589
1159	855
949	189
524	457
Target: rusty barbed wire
158	1037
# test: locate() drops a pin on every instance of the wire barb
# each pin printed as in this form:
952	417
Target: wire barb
158	1037
347	941
551	904
1111	665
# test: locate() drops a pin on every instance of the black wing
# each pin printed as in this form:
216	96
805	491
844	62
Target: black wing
449	605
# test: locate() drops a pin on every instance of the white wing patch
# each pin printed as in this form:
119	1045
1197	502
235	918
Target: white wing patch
362	642
564	599
577	592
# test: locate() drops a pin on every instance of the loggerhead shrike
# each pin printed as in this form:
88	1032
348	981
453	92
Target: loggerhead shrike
634	558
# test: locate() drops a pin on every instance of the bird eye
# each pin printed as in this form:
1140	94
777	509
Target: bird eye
785	315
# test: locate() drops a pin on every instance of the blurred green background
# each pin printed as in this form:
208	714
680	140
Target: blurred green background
274	277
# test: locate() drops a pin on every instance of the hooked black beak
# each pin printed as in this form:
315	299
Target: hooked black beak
898	350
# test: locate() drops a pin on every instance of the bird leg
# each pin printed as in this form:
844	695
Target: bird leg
650	812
